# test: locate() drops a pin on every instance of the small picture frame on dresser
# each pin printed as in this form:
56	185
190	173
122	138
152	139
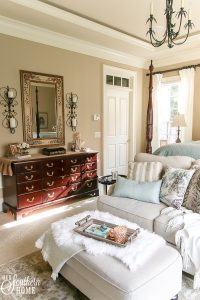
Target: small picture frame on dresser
12	149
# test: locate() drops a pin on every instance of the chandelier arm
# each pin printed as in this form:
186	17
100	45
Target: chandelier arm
177	33
180	43
154	40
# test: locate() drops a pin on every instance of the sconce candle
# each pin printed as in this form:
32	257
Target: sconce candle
72	105
12	122
74	122
10	94
8	101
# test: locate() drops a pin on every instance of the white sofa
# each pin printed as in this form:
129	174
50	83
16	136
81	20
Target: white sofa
146	215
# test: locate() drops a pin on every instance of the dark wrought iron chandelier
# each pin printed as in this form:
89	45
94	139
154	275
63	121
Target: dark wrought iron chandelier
170	36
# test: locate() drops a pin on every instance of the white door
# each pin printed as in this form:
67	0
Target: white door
116	125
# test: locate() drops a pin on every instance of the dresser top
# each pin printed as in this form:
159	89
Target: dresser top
5	162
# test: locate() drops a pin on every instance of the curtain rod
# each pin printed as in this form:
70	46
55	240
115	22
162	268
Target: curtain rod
177	69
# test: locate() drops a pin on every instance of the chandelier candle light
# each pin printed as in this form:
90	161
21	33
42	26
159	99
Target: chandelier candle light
170	35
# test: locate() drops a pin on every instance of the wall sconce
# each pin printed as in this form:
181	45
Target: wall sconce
8	96
72	100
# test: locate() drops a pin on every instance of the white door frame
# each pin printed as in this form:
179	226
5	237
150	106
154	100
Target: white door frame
132	75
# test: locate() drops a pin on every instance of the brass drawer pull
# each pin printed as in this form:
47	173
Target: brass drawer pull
29	178
74	188
50	174
51	195
27	168
30	200
50	183
62	161
89	175
89	184
30	189
74	178
73	170
49	165
92	194
73	161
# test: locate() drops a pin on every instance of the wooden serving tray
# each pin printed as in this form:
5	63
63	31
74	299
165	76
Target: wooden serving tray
84	225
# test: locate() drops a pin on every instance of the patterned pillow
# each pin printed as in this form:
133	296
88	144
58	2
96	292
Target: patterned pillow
145	171
174	185
192	195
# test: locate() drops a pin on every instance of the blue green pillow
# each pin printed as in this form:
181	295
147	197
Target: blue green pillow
143	191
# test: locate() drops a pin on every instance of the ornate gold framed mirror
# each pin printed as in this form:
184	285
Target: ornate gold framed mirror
42	108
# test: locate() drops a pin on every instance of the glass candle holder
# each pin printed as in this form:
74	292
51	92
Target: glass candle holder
120	234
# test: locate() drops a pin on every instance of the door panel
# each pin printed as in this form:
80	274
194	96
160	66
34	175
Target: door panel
116	131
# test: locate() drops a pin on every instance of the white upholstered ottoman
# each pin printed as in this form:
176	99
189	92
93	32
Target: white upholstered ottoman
104	277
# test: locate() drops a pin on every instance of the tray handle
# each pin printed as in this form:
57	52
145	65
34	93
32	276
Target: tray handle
133	236
82	221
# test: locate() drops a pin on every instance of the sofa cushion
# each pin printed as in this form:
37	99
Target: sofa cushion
143	191
160	225
192	195
145	171
183	162
141	213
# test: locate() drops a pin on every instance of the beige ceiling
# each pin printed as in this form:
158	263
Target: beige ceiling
127	16
111	24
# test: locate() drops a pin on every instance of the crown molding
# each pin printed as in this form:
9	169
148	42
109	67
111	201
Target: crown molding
41	35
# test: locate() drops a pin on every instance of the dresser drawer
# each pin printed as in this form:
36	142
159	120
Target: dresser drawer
29	187
51	173
90	158
74	189
73	169
89	175
49	183
27	167
89	185
53	194
75	178
89	166
29	199
54	163
74	160
30	176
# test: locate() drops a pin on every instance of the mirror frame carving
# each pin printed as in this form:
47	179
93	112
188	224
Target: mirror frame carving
26	77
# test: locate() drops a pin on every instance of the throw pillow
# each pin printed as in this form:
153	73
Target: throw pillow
174	185
144	191
145	171
192	195
196	164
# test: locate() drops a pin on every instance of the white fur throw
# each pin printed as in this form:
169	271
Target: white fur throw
133	255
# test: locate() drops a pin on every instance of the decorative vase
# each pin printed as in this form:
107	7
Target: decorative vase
24	152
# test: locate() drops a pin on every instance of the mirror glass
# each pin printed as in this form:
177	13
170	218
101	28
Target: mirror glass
42	101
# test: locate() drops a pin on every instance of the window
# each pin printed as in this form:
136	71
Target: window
117	81
169	104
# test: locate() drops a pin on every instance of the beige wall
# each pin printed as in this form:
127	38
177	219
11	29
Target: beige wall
196	111
83	75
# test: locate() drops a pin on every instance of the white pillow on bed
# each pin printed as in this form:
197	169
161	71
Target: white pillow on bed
183	162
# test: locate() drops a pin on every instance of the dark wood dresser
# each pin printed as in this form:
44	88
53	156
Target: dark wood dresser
41	181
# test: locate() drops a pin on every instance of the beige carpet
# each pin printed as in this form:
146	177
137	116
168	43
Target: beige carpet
17	238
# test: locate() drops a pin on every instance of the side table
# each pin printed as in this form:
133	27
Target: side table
107	180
